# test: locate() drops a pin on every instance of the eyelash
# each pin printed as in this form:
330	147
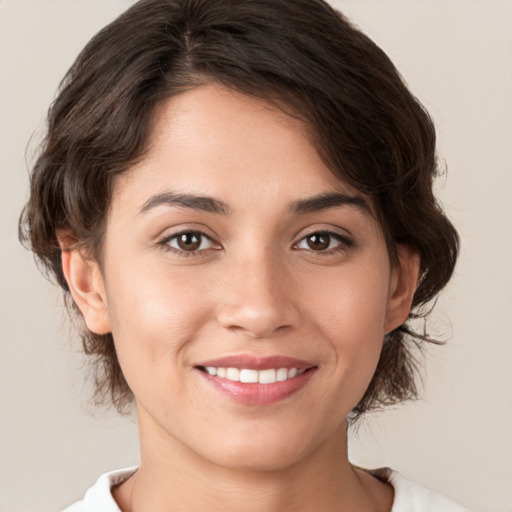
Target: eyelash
344	243
165	243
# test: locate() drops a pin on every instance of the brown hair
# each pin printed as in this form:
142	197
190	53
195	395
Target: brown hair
301	55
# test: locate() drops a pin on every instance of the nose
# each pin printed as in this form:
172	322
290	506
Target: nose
259	298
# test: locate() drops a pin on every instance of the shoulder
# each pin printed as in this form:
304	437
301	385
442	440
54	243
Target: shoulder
99	497
412	497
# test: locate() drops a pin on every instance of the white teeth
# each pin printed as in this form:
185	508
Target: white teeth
246	375
233	374
282	374
267	376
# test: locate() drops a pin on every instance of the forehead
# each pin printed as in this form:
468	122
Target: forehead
217	142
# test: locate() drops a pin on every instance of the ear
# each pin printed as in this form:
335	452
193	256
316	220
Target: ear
404	280
86	285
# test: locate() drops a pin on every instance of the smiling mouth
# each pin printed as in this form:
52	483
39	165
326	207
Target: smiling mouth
257	381
253	376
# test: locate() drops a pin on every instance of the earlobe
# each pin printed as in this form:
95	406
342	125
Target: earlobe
403	285
85	283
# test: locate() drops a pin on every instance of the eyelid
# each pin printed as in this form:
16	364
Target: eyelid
346	242
177	229
164	241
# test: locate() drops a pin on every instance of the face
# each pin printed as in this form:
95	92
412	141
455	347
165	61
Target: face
247	288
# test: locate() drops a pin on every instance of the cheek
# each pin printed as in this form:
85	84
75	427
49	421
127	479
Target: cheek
349	311
351	302
153	317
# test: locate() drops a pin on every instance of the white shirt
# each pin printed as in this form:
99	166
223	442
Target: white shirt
409	496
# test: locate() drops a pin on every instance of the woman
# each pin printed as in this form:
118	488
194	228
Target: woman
236	197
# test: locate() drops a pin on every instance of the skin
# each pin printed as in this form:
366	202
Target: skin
256	286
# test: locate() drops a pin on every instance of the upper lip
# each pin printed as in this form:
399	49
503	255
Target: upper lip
257	362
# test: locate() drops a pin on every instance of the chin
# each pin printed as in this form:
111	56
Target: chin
259	460
261	451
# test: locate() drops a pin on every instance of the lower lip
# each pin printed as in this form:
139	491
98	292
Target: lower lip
258	394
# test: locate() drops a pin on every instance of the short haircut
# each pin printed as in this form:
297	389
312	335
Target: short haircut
300	55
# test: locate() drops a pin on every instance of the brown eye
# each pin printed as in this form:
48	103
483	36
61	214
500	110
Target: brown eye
318	241
189	241
324	241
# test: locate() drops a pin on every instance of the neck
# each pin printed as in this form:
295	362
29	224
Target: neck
172	477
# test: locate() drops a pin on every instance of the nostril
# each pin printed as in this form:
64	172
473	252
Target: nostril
259	321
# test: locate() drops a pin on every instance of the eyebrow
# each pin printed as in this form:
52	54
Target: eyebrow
329	200
195	202
211	205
